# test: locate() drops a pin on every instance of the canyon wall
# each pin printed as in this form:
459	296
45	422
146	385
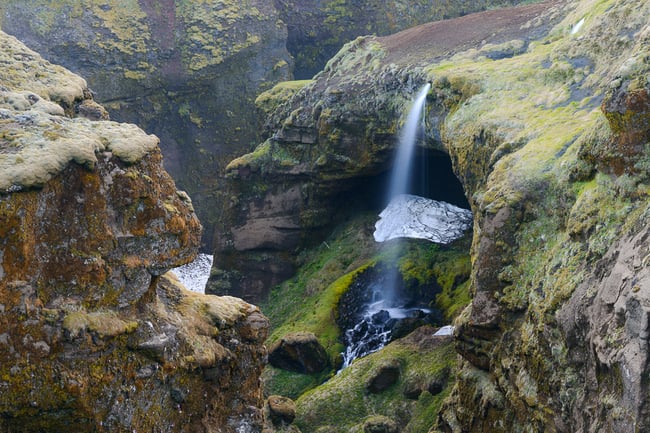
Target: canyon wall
189	72
95	335
543	112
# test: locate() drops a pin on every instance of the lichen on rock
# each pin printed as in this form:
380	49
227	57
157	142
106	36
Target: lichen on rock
96	336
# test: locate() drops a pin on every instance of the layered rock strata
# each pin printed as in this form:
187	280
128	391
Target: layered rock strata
94	335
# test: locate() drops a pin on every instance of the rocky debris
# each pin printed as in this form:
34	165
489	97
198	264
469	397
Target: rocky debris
96	335
385	376
300	352
282	410
380	424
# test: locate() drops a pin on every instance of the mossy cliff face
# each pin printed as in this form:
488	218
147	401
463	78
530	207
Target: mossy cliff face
329	141
95	336
187	71
546	124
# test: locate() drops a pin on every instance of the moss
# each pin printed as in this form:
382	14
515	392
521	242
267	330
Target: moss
318	315
26	71
102	323
343	401
269	100
290	384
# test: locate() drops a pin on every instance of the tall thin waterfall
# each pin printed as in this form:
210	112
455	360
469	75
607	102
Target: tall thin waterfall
385	302
384	307
401	173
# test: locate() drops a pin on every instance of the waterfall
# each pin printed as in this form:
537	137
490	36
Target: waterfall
385	307
374	327
400	177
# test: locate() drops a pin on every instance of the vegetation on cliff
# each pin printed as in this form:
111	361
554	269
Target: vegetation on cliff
94	335
546	123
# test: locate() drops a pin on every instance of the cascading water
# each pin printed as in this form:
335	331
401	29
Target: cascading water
373	330
384	304
401	174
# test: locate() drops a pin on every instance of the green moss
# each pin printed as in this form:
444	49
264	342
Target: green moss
269	100
344	402
103	323
318	315
290	384
308	302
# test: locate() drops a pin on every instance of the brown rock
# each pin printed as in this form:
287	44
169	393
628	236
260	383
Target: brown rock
380	424
282	410
300	352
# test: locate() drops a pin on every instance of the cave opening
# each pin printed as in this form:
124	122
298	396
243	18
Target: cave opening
432	177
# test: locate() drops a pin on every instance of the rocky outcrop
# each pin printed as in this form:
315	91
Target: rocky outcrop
94	334
545	119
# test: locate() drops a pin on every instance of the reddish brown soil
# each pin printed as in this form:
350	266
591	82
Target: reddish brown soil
432	41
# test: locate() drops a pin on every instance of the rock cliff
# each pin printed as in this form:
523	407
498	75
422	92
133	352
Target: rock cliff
543	113
189	72
94	334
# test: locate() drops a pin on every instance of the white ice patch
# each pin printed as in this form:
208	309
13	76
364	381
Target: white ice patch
194	276
410	216
444	331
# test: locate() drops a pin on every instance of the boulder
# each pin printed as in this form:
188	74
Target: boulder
385	376
299	352
282	410
380	424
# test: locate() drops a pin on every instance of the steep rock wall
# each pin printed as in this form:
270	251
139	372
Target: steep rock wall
331	138
543	111
189	72
94	335
185	71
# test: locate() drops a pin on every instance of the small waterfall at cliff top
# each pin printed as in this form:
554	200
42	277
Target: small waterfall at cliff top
405	216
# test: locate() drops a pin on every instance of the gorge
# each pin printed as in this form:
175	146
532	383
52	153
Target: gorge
537	120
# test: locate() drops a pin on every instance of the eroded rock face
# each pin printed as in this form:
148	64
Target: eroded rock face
95	336
185	71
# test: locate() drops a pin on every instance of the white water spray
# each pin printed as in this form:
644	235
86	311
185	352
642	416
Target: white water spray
401	173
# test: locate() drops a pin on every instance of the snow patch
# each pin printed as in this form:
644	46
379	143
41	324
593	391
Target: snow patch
411	216
194	276
444	331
